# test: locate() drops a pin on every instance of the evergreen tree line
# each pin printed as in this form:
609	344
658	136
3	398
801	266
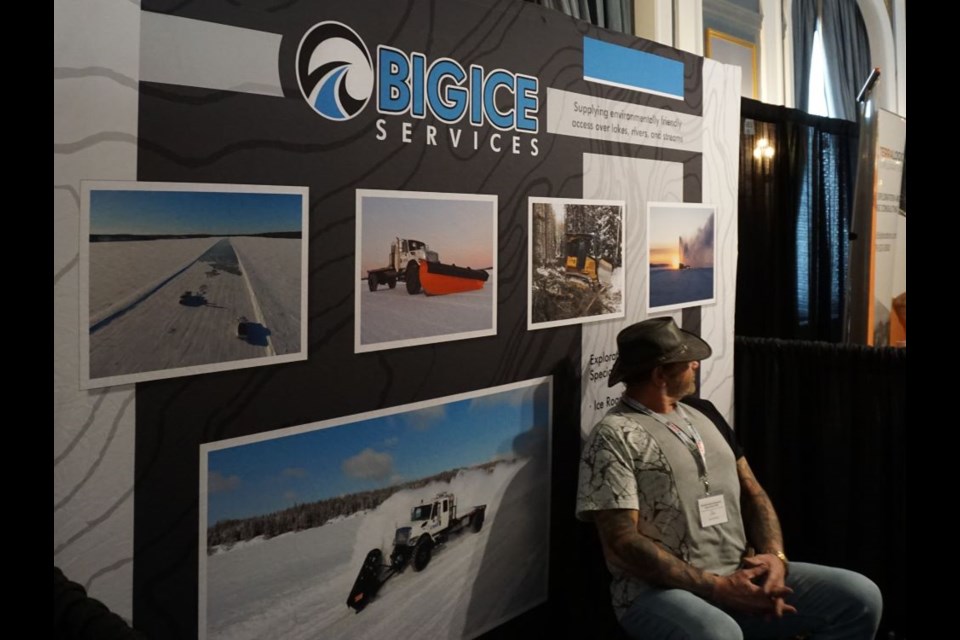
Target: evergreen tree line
604	222
314	514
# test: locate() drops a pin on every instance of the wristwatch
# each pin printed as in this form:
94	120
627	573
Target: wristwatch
783	558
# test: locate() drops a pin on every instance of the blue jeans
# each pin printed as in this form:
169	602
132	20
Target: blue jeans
832	604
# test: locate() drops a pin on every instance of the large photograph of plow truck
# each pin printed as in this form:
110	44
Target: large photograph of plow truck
680	241
577	257
180	279
426	268
425	520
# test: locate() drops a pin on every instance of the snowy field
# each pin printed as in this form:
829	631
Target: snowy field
555	298
295	586
389	315
273	267
617	283
121	272
153	331
680	286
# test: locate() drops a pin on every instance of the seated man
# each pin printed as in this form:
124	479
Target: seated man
689	535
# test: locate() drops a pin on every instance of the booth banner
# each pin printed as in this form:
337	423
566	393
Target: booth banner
430	518
889	300
95	93
898	314
417	135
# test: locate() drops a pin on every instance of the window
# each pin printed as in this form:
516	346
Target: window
818	102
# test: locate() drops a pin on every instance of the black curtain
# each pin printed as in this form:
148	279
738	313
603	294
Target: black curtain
823	426
794	213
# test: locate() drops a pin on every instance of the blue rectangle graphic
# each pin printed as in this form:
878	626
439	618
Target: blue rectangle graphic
623	67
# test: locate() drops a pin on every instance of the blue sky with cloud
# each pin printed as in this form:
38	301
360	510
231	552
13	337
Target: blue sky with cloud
262	477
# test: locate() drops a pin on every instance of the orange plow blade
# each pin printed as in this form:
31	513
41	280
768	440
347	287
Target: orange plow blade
439	279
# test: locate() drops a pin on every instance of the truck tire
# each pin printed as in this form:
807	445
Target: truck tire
422	553
477	523
372	281
412	276
400	558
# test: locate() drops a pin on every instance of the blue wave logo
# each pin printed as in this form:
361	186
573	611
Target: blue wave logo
335	71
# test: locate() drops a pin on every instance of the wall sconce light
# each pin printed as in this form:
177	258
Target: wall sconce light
763	149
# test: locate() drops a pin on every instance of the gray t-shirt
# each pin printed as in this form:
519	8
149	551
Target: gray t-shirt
633	461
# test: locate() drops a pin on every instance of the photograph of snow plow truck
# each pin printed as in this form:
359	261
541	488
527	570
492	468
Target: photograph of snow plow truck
441	245
456	487
431	524
412	262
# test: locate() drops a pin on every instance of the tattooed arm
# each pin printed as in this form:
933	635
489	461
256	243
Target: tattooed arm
625	547
631	551
759	518
763	532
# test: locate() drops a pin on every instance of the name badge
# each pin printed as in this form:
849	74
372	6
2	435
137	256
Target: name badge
713	510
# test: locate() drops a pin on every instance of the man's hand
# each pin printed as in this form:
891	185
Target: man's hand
757	588
739	591
775	572
763	530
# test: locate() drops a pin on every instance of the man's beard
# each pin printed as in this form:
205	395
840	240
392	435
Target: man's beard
681	388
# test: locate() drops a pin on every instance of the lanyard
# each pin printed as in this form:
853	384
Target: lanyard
692	440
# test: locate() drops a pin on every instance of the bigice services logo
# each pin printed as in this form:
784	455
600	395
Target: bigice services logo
335	71
337	78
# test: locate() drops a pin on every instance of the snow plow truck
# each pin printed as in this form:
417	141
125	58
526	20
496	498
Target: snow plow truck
412	262
431	524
